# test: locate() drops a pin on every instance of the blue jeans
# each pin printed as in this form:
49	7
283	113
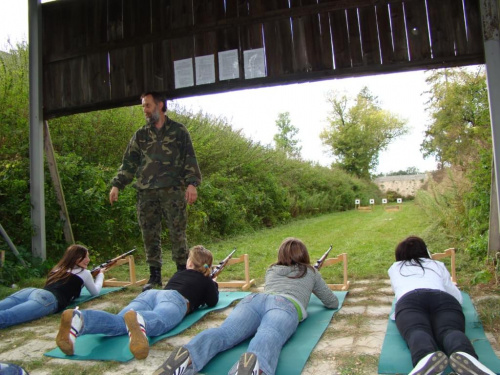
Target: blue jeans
162	310
271	318
431	320
25	305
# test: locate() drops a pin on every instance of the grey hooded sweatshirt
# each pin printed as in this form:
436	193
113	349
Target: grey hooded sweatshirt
279	280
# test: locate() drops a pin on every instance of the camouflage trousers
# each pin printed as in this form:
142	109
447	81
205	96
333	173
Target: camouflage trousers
153	205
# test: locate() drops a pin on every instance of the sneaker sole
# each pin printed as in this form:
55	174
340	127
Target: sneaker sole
139	343
62	339
171	365
246	364
464	366
435	365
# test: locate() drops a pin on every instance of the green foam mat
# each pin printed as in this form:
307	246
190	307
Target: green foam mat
296	351
86	296
99	347
395	357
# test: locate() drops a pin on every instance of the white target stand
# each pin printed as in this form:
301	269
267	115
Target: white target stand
357	203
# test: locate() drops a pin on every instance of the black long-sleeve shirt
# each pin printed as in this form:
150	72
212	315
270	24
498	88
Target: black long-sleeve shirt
198	289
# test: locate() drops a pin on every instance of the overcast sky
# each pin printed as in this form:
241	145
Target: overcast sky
255	111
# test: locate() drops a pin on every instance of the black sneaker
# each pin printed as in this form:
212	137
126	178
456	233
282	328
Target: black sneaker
248	364
176	364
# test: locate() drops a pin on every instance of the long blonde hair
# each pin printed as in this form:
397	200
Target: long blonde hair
202	259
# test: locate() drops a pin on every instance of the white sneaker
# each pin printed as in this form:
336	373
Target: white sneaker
432	364
465	364
136	327
71	325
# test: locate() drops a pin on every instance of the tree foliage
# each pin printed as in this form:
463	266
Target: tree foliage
460	126
14	97
459	136
359	129
285	138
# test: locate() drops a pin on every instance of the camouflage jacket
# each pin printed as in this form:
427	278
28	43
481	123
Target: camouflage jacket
159	158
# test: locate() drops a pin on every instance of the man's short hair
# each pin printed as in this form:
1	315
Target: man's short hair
158	98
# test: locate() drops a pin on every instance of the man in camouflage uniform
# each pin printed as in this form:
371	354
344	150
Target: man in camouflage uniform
161	157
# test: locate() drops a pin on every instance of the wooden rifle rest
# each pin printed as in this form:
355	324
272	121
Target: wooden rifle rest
132	281
340	258
448	253
244	284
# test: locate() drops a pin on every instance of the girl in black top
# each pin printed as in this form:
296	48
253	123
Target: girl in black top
151	313
63	285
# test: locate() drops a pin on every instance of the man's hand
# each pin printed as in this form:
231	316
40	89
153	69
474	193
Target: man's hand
191	194
113	195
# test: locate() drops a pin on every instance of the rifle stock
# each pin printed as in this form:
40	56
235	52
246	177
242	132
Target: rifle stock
218	269
110	263
320	261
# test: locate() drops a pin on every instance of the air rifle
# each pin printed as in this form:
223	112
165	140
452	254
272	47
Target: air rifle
110	263
218	269
320	261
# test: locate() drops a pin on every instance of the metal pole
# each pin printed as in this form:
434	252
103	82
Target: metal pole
37	197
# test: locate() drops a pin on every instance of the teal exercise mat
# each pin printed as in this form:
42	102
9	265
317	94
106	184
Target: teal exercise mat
296	351
99	347
395	357
86	296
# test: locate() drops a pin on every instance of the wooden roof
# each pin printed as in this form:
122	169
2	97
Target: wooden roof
104	53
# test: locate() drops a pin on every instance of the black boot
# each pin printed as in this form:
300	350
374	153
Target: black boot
154	278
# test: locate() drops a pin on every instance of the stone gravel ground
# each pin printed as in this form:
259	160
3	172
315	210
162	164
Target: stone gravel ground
350	345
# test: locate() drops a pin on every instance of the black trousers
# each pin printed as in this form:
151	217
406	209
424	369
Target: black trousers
431	320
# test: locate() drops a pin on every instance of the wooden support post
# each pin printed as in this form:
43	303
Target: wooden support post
56	180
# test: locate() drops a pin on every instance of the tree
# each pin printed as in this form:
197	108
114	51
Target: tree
460	127
359	130
14	95
284	140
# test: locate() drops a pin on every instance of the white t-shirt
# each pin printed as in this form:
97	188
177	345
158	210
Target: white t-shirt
407	276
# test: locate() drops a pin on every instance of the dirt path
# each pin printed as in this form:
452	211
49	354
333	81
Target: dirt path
350	345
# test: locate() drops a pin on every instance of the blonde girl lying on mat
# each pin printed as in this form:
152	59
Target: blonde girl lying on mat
271	317
429	314
64	283
151	313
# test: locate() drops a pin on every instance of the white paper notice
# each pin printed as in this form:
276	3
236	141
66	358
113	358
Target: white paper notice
183	71
254	63
228	65
205	69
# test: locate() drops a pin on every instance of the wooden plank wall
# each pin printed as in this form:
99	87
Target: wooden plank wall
105	53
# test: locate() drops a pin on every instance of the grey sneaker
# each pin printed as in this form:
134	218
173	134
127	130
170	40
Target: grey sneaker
248	364
176	364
